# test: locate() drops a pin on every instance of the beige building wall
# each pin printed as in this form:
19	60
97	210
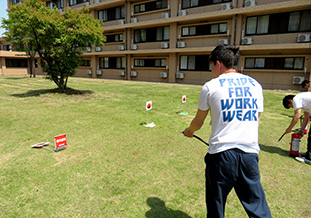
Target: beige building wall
7	53
179	19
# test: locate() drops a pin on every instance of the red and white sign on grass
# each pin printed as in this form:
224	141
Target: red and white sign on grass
148	105
148	108
60	142
184	98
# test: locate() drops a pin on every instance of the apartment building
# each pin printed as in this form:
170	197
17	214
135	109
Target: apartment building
170	40
12	62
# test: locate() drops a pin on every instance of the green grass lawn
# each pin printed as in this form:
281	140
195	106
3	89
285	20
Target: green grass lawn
116	167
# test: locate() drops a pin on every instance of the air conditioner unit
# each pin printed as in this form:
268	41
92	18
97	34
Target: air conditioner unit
182	13
247	41
121	48
89	72
297	80
88	49
304	38
99	72
181	44
165	15
249	3
120	22
223	41
122	73
134	47
87	3
133	73
134	20
96	1
225	6
98	49
164	45
180	75
163	74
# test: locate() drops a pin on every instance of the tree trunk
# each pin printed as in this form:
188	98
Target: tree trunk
30	66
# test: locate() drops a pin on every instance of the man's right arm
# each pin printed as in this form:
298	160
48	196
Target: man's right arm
196	123
294	121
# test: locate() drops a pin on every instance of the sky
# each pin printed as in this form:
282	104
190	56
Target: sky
3	13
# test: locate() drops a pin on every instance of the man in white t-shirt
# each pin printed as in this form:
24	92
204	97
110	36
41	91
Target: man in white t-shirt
234	102
305	84
301	101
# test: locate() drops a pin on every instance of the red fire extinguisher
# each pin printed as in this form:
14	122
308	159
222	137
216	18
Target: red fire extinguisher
294	145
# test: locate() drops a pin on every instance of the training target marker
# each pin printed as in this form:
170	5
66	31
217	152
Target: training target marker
183	100
148	108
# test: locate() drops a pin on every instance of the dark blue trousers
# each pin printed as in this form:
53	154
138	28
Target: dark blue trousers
239	170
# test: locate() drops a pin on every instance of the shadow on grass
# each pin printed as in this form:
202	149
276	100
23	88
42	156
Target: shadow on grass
16	78
275	150
68	91
159	210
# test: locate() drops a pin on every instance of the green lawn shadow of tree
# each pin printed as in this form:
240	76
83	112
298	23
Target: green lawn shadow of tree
158	209
39	92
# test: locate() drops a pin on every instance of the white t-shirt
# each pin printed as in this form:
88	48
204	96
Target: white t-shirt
302	101
234	101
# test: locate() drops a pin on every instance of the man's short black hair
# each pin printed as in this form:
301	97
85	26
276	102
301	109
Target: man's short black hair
226	54
304	83
286	101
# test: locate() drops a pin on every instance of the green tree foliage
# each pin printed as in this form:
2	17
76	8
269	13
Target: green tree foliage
58	38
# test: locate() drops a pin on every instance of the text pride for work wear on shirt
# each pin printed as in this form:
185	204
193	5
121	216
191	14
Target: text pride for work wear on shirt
240	105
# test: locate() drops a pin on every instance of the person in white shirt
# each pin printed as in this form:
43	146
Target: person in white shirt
301	101
234	102
305	84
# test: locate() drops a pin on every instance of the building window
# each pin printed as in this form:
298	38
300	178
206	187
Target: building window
150	6
299	21
208	29
85	63
75	2
279	23
152	34
16	63
194	63
55	3
280	63
160	62
16	2
109	14
114	38
112	63
198	3
7	47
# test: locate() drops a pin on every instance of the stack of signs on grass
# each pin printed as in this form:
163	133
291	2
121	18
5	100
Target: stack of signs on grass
148	108
60	143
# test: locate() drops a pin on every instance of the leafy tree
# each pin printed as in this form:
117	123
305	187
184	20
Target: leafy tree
58	38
